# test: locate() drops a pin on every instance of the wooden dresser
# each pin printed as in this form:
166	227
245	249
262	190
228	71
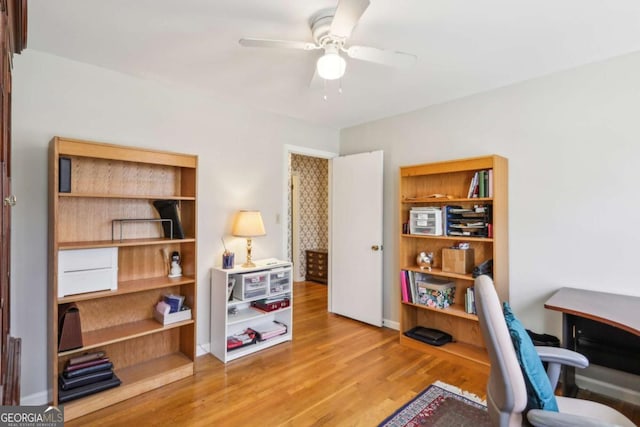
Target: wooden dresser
317	265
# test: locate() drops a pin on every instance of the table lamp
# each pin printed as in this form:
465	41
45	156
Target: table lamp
248	224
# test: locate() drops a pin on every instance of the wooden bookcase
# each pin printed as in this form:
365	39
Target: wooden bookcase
418	183
115	182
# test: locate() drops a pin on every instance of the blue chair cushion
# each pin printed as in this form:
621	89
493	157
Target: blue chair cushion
539	392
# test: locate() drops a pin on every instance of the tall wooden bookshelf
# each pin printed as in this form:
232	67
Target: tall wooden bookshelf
451	179
110	182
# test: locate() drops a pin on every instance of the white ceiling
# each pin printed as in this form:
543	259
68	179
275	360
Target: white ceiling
463	47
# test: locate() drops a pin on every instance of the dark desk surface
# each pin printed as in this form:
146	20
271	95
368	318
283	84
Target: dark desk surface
621	311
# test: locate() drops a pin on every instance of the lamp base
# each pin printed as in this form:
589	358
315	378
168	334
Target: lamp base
248	263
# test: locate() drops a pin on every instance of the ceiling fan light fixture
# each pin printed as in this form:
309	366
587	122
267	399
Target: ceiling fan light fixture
331	65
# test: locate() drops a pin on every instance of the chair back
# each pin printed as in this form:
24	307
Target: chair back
506	390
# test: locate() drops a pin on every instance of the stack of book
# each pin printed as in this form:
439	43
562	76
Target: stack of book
270	330
241	339
472	222
481	184
85	375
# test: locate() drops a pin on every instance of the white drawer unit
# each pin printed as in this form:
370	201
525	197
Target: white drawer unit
279	281
425	221
87	270
262	299
251	285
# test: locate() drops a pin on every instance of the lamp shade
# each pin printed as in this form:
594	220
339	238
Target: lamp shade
331	65
248	224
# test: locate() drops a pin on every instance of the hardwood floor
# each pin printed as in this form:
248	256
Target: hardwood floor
336	372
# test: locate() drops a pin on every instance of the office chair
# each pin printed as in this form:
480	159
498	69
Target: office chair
506	389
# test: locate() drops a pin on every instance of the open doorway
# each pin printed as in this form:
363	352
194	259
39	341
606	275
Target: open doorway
309	217
307	206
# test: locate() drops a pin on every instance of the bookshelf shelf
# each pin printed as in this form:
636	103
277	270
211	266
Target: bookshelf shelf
135	379
109	182
132	286
465	238
453	310
125	196
250	313
444	200
436	271
117	243
452	178
121	332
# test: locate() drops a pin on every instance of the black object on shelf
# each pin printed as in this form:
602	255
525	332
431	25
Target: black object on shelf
168	209
64	175
69	328
86	390
429	335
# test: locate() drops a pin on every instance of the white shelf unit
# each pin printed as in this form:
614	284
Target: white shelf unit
243	316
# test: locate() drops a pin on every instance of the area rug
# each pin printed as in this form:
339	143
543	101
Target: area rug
441	405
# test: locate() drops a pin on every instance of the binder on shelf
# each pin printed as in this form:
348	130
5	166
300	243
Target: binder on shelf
107	366
86	390
90	378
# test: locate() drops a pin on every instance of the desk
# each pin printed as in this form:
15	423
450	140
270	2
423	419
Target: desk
612	310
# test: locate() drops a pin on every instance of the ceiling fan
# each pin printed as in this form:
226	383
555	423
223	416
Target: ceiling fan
331	29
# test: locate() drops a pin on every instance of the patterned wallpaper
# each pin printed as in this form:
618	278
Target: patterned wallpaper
314	204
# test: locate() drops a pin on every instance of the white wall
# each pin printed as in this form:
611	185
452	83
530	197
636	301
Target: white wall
240	166
573	144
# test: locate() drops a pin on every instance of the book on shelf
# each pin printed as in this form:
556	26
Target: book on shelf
481	184
85	375
90	378
470	301
87	370
86	390
403	285
269	330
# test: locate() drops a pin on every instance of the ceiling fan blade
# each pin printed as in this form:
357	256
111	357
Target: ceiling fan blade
286	44
391	58
347	15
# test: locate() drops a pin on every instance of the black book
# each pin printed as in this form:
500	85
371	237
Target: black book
86	390
94	377
107	366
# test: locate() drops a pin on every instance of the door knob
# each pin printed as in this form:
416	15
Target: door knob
376	248
10	200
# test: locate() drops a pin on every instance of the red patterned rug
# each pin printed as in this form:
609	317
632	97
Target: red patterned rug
441	405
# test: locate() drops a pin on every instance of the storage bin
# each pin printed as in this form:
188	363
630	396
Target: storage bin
251	285
436	292
457	260
279	281
167	319
425	221
87	270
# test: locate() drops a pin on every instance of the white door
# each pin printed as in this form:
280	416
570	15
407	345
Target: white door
355	285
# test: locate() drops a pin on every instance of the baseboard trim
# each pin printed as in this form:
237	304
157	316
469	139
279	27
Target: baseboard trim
203	349
607	389
35	399
391	324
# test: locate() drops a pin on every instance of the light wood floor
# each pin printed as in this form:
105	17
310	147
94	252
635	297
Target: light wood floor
336	372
